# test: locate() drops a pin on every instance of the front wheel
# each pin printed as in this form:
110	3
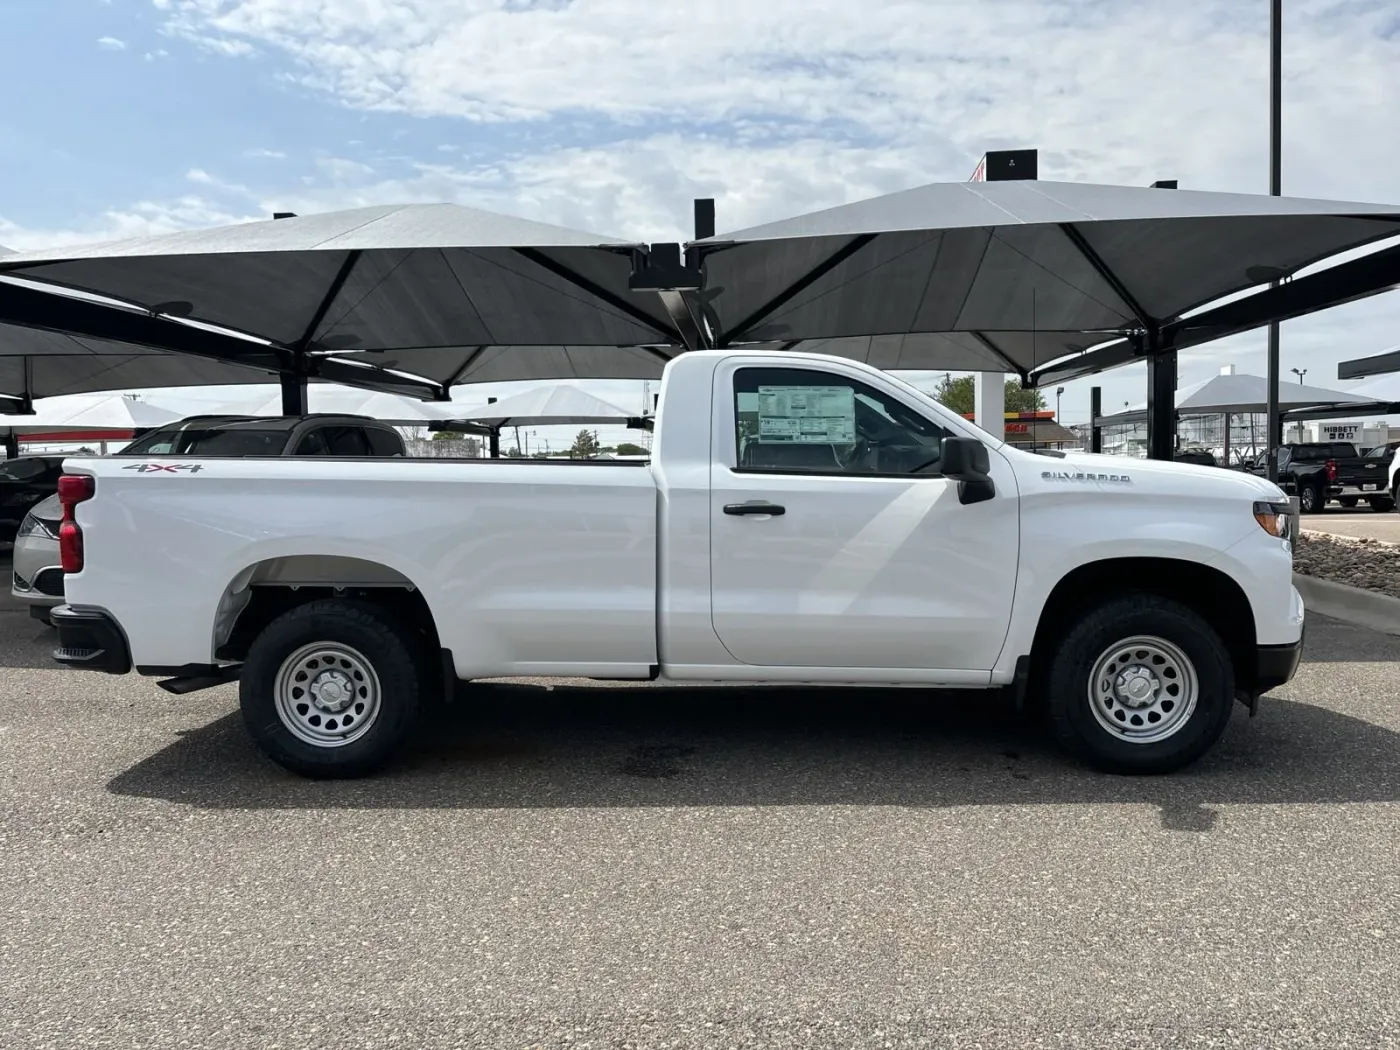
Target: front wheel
1347	501
1140	684
332	688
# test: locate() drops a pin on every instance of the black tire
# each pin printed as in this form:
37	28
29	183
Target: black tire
393	655
1381	504
1347	501
1070	679
1311	498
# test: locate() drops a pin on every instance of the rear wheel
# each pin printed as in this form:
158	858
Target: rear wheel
1140	684
1382	504
333	688
1311	498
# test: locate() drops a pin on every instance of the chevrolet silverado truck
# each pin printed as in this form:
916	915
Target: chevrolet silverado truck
802	519
1320	471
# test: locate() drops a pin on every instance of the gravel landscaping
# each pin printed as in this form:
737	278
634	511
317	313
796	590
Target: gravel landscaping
1369	564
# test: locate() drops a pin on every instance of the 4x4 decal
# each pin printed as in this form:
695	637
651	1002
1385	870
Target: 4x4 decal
172	468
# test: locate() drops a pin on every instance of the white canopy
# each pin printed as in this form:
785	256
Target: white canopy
324	397
543	406
1241	393
1384	388
90	412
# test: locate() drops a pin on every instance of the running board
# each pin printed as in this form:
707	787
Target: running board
194	683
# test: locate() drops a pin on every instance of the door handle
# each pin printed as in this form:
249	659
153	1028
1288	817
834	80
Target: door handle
754	507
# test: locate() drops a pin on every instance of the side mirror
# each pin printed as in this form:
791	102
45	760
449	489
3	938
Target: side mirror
966	461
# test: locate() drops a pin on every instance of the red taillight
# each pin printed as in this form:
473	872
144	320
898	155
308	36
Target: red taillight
70	546
1331	470
72	490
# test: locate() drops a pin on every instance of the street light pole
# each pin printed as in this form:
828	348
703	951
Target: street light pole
1275	422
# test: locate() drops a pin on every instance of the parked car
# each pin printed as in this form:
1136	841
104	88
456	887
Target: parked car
1319	471
1203	457
37	576
24	481
1372	476
225	437
802	519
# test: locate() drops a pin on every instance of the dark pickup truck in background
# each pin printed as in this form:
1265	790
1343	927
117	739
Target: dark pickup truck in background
1319	471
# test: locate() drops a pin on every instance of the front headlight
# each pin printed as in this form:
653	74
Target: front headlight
32	526
1276	519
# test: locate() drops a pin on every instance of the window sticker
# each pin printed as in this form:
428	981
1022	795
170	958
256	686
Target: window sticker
822	414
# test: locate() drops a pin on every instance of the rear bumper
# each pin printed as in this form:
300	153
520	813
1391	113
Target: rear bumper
1275	665
90	640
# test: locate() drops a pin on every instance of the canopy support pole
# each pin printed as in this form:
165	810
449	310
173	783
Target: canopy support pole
989	403
293	395
1161	398
1095	411
1275	433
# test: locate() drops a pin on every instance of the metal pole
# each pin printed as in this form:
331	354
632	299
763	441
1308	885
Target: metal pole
1275	421
704	217
493	440
1095	411
294	395
1161	399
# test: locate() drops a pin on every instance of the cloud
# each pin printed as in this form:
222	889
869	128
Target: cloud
142	219
111	43
265	154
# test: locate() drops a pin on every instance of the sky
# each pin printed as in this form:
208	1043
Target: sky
128	117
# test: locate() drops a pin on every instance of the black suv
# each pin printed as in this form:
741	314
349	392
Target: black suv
234	437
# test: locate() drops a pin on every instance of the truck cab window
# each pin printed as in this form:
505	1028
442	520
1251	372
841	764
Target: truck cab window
795	420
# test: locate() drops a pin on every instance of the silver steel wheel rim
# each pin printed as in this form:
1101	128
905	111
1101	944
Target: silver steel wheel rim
327	694
1143	689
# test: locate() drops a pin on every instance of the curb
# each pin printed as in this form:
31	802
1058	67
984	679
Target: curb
1340	601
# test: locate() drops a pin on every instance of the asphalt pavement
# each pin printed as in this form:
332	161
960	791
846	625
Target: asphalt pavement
1358	522
662	867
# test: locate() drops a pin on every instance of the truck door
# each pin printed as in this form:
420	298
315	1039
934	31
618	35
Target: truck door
834	540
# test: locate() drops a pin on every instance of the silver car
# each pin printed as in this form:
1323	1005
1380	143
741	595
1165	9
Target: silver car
37	575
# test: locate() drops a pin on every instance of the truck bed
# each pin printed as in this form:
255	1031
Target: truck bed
553	563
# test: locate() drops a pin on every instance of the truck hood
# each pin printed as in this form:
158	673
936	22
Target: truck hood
1152	473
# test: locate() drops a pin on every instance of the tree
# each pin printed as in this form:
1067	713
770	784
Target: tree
446	435
585	446
958	394
514	453
629	449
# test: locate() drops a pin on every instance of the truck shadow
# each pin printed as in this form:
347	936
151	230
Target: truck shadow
515	746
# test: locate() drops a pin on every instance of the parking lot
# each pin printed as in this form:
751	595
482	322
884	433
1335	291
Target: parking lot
692	868
1357	522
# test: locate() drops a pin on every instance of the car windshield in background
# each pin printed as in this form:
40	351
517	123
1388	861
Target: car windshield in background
21	469
223	442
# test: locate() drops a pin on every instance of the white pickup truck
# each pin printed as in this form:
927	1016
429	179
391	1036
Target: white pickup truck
803	519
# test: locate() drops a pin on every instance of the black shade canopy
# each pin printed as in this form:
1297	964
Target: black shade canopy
1032	271
35	363
431	290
